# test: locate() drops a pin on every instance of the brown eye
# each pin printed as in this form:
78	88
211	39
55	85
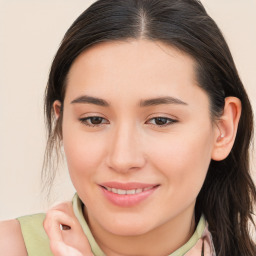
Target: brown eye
93	121
96	120
162	121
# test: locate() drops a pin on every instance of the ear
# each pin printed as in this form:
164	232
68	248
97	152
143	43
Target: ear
57	108
226	129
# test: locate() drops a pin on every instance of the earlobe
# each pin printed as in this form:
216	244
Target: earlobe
226	129
57	108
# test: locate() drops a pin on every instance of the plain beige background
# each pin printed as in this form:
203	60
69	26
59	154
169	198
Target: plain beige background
30	32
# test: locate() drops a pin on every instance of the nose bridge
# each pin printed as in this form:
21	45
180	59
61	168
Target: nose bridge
125	150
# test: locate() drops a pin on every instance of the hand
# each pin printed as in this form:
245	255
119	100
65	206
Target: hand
65	232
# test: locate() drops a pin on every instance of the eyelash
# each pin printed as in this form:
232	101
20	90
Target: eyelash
84	121
169	120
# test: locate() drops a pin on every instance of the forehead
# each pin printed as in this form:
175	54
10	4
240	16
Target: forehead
139	67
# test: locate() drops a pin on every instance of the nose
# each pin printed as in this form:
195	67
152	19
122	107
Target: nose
125	151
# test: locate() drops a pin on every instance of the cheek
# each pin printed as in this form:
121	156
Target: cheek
184	161
83	153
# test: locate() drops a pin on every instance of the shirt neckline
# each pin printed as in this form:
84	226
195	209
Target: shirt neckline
77	207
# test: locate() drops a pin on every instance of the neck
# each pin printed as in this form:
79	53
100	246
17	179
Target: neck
163	240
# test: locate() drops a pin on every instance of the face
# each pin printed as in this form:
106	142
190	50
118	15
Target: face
137	134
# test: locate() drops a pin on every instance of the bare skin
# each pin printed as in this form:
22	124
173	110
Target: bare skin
70	240
11	240
128	146
66	242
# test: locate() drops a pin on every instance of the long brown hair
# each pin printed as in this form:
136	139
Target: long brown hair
228	194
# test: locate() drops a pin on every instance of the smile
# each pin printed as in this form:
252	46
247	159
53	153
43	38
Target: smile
127	192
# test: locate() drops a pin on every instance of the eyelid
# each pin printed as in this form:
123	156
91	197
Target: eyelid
169	119
84	120
163	115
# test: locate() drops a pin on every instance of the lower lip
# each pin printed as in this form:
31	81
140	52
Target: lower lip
127	200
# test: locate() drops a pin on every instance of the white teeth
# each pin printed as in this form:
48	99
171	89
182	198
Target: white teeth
128	192
121	192
138	190
145	189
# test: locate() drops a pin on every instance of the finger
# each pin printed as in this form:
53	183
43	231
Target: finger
53	222
66	207
65	231
61	249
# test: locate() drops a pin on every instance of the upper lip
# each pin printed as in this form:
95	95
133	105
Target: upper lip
127	186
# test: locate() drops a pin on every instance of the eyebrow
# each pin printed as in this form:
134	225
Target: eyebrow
143	103
161	100
91	100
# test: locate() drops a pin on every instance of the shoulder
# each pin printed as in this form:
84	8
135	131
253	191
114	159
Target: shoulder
25	236
11	239
34	235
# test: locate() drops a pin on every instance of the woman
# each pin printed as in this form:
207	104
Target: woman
156	127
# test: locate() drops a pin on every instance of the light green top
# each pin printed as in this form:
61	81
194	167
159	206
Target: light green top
37	242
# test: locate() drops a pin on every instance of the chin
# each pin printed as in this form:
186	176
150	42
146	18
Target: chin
131	231
128	228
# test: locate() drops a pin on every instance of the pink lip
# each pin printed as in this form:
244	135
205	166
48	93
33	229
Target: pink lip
127	200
